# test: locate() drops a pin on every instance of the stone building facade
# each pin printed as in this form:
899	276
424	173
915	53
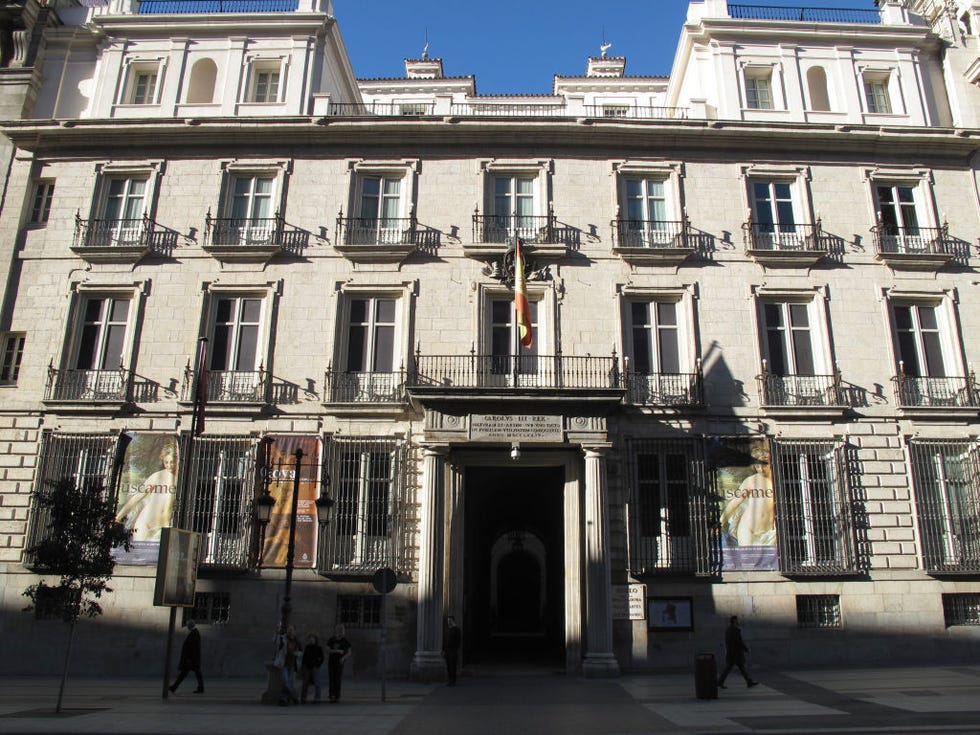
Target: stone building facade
750	387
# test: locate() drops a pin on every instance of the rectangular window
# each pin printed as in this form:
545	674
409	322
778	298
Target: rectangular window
654	333
899	228
121	212
234	353
41	204
774	225
789	344
615	110
144	87
359	611
12	345
813	516
367	476
251	211
371	335
265	84
379	213
514	207
818	611
920	344
946	480
210	608
508	357
961	608
219	502
758	91
85	460
645	204
102	333
876	94
667	514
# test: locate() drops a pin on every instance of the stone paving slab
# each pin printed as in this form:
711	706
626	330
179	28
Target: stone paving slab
843	702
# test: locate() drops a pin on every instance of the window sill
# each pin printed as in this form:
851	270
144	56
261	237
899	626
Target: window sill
111	253
262	253
806	413
376	253
484	250
87	406
364	408
921	262
666	256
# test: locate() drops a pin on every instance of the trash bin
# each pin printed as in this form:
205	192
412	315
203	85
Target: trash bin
705	676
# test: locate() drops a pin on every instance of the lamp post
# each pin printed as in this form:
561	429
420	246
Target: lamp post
263	513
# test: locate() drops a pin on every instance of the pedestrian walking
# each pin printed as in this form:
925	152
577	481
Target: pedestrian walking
190	658
287	659
450	649
338	649
309	668
735	650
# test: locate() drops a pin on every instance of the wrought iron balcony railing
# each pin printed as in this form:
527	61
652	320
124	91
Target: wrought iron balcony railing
384	231
364	387
785	237
493	228
663	389
87	385
893	240
155	7
653	234
120	233
803	14
522	371
916	391
252	232
800	390
230	386
380	109
636	112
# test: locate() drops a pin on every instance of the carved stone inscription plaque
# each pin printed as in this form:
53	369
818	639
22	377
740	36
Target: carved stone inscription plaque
516	428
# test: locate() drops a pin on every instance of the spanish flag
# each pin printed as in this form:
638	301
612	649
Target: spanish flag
521	307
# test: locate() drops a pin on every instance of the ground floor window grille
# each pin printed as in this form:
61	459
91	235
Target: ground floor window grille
218	499
818	611
946	480
669	511
961	608
82	459
813	509
368	481
210	608
359	611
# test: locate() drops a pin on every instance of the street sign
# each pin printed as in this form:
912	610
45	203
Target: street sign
384	580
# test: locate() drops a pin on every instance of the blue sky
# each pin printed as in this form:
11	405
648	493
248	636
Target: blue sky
518	45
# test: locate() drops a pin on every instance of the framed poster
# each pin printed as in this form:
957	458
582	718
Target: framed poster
670	613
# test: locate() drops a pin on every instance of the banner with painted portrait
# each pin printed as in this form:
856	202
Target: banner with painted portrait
279	467
146	495
742	476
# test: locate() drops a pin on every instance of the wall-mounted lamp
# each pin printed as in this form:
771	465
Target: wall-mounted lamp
515	451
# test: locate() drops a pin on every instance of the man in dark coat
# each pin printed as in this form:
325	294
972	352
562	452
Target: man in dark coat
190	658
450	648
735	650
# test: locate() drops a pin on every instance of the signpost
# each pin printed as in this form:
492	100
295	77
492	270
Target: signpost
176	583
384	581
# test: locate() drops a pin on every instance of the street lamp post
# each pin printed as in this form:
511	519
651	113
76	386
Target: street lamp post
263	513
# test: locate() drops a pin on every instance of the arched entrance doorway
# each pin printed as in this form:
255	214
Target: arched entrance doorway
513	564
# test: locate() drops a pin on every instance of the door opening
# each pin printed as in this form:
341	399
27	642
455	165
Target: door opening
514	565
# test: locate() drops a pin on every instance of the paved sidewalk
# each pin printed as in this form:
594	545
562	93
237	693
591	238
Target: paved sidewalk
497	702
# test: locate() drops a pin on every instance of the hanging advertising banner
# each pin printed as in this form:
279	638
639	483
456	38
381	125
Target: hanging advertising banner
147	490
280	469
180	553
742	475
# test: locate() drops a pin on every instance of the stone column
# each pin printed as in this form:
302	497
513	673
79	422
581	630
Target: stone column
427	665
599	658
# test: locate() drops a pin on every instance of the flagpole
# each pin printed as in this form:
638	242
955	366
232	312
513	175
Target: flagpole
518	261
202	346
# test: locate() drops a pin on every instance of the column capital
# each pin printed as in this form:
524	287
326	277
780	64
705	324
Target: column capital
596	451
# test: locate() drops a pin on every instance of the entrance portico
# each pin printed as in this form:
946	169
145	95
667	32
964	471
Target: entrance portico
516	550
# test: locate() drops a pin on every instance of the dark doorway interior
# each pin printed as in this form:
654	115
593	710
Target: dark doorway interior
514	565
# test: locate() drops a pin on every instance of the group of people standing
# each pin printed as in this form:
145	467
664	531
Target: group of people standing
294	659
